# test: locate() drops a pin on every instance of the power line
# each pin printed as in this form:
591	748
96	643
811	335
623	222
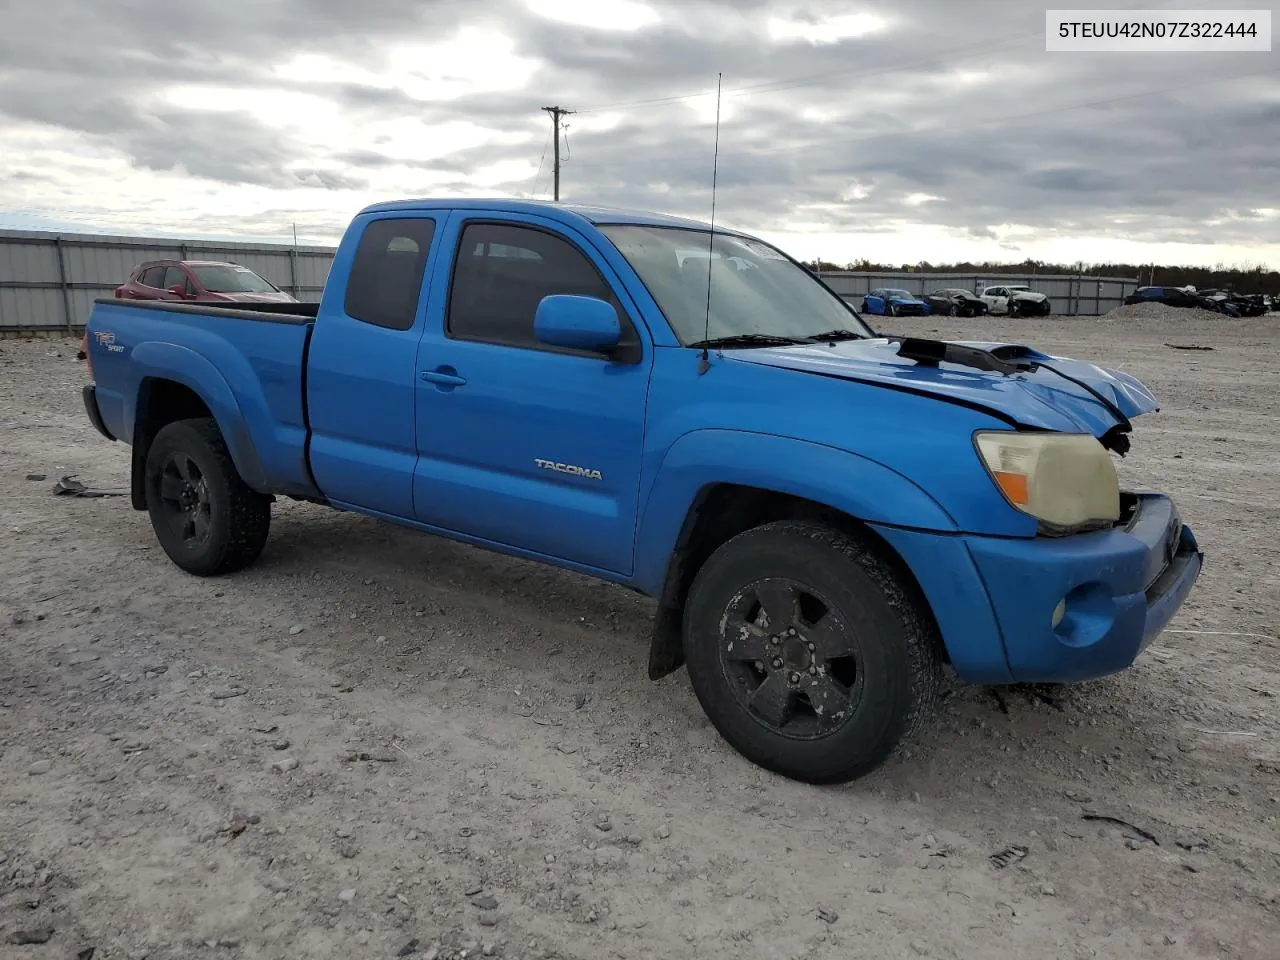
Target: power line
541	162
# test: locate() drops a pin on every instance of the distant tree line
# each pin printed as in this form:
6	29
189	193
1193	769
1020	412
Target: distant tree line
1241	279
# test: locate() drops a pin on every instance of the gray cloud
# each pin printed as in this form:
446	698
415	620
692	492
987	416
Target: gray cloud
957	102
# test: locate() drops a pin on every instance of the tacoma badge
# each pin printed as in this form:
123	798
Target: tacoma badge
569	469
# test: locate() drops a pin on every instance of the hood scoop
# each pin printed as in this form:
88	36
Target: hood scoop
930	353
1009	359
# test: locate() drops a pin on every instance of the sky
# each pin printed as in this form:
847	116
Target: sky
892	130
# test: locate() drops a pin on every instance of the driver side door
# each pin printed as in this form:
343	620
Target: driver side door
520	443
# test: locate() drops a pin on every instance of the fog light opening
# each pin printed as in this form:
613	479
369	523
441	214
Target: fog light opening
1059	612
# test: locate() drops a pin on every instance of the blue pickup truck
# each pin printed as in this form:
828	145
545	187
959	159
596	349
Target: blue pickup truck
827	516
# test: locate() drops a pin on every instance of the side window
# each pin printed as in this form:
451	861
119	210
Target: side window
501	275
152	277
386	273
174	276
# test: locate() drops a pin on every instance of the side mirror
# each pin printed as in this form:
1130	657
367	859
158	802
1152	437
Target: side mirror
179	290
577	323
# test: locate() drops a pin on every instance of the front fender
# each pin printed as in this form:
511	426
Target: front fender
170	361
862	488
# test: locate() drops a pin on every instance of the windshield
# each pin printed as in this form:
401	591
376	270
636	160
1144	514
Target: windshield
231	279
899	293
754	288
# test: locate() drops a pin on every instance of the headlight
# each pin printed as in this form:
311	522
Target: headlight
1065	480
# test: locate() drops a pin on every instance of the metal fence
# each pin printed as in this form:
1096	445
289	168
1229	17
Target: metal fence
48	281
1070	294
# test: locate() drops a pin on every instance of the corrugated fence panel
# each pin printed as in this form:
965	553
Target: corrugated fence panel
49	281
1071	295
28	261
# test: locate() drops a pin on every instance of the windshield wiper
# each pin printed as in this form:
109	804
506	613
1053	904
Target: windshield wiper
837	335
752	340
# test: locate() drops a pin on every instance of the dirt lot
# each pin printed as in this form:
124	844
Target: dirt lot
344	751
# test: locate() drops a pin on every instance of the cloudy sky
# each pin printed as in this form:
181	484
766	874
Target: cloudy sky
897	130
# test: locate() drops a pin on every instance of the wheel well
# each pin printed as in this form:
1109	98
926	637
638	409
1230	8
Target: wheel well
721	512
160	403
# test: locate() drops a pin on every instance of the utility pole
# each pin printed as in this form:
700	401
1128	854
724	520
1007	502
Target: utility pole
556	113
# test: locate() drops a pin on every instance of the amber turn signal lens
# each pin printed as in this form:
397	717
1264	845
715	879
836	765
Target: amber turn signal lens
1014	486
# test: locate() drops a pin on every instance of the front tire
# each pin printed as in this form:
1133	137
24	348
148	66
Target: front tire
808	653
205	516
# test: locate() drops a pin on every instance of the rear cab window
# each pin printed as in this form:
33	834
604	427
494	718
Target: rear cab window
385	282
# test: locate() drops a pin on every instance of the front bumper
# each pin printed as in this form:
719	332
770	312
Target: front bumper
1119	589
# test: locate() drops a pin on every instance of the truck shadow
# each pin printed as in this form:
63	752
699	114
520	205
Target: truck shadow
574	636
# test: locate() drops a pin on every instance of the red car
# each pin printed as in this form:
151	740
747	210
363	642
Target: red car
208	281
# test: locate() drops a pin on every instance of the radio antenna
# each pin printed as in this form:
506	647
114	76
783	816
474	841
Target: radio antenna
705	363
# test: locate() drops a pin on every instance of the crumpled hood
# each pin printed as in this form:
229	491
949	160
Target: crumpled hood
1039	398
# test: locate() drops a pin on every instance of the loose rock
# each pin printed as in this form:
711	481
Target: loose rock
346	896
285	765
39	768
228	693
31	937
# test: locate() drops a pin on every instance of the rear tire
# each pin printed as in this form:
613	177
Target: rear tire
808	653
205	516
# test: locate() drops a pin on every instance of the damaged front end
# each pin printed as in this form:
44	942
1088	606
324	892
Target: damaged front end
1065	481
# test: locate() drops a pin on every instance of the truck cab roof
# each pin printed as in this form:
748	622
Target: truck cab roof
564	212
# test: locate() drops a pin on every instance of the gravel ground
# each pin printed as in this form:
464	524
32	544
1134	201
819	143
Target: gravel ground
379	744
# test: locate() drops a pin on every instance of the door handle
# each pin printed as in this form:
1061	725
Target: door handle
444	376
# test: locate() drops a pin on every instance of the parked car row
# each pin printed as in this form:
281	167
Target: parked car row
1007	299
1219	301
199	281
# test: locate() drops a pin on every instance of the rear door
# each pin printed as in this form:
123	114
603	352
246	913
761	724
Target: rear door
522	444
361	366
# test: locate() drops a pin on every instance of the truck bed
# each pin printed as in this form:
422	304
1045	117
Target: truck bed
247	361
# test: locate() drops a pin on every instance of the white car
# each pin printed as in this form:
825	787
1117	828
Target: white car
1015	300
